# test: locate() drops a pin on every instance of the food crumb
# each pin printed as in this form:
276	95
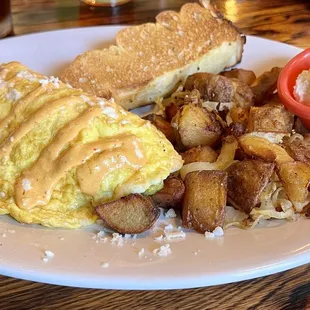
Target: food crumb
104	265
170	213
209	235
218	231
141	252
49	254
159	238
168	227
163	251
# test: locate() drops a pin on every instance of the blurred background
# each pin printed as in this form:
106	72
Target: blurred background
283	20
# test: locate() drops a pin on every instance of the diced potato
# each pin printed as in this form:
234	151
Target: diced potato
236	129
171	195
171	111
299	127
199	153
163	125
219	88
205	200
245	76
265	85
225	159
258	147
239	115
246	181
270	118
299	147
132	214
195	126
295	177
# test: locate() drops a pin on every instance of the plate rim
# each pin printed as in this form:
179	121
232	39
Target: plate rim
187	282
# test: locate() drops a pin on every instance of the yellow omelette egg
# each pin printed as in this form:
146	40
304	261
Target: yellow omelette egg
63	152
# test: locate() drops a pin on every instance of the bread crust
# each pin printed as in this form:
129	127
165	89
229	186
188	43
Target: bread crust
150	59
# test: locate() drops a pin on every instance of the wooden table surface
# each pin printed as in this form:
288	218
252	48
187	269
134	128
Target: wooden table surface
283	20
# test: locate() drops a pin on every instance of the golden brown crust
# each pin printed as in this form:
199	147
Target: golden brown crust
295	177
143	53
246	181
171	195
299	149
271	117
218	88
132	214
199	154
205	200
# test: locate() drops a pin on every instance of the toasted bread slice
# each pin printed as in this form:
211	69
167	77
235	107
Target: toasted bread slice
149	60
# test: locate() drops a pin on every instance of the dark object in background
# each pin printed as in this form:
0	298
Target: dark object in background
5	18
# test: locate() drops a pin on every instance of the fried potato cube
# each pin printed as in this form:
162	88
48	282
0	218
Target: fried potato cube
213	87
171	195
132	214
246	181
171	111
239	115
245	76
163	125
265	85
205	200
299	127
195	126
199	154
258	147
236	129
299	148
271	117
295	177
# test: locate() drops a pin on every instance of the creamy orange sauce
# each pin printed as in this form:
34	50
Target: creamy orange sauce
38	116
93	161
20	106
35	186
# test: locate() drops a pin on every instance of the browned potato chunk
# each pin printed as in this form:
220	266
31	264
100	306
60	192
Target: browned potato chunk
236	129
199	153
239	115
171	195
262	148
246	181
171	111
163	125
219	88
299	127
299	148
196	126
245	76
224	160
295	177
132	214
270	118
205	200
265	85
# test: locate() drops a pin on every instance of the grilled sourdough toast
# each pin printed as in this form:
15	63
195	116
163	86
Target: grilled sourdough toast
150	60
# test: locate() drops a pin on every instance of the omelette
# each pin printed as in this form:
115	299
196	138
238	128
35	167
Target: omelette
63	152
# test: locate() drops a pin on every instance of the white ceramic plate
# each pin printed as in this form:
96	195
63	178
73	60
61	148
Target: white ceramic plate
194	262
